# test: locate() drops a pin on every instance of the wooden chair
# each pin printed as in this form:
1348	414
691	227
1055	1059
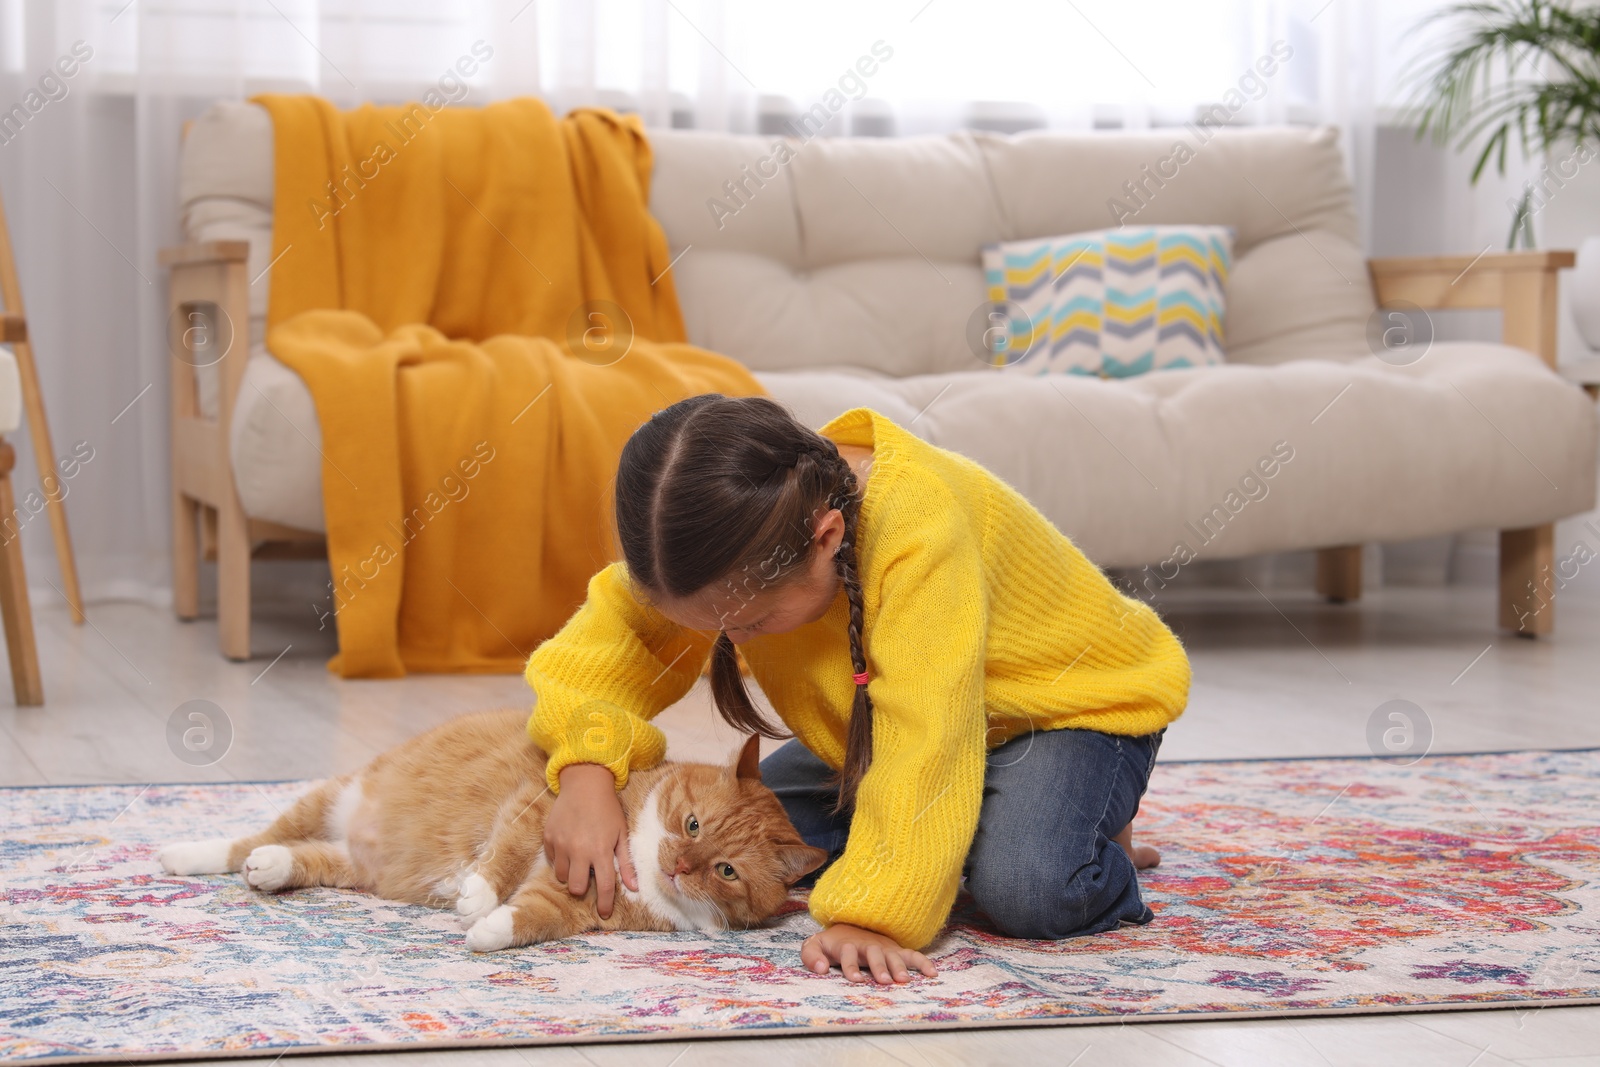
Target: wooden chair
20	645
21	649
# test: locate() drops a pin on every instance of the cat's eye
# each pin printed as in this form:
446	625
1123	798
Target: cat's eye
692	826
727	871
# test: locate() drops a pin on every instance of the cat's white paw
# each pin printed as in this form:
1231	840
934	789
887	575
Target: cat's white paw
492	932
476	899
196	857
268	868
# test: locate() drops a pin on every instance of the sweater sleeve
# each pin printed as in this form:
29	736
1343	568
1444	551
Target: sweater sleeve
613	666
917	805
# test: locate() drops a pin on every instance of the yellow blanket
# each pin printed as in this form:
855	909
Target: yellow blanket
480	305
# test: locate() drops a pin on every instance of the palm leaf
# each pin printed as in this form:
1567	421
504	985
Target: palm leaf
1528	69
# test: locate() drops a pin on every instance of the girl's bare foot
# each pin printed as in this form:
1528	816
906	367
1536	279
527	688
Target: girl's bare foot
1143	856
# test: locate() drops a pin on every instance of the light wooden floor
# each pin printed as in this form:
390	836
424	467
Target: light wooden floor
1289	678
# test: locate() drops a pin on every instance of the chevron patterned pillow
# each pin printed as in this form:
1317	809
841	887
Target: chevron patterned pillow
1111	303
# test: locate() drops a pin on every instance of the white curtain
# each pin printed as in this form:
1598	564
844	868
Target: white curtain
88	159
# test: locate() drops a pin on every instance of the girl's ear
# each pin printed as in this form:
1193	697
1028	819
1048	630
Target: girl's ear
828	531
748	763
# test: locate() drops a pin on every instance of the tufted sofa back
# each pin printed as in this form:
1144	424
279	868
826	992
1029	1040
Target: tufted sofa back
866	252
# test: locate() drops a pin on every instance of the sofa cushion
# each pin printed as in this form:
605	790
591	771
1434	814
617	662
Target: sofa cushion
275	443
1130	470
1109	303
1264	182
1133	469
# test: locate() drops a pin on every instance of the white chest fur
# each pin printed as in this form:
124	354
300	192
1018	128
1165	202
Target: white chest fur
343	810
350	823
644	845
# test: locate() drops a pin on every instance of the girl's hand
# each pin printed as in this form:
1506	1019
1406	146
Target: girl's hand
851	946
586	828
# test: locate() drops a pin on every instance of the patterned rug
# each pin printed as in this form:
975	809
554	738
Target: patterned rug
1287	887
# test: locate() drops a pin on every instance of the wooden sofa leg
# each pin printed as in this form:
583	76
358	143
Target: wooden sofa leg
1339	573
233	583
1527	583
185	556
20	645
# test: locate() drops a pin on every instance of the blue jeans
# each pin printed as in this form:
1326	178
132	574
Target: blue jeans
1042	863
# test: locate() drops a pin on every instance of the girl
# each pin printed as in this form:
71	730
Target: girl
968	693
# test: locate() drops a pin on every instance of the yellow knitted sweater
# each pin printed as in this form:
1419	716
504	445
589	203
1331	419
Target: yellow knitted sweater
983	622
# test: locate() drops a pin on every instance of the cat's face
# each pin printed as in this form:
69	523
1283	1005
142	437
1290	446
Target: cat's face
727	843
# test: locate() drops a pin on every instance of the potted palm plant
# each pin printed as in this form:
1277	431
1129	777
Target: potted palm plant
1529	71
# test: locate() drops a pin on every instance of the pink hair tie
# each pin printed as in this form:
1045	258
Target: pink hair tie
861	679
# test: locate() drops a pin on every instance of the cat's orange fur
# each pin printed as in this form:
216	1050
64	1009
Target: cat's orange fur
455	818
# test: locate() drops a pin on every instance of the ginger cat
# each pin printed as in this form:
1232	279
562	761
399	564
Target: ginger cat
455	817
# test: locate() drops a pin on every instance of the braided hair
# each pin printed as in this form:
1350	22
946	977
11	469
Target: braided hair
725	491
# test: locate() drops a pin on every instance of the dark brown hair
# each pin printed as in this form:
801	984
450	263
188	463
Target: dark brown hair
725	490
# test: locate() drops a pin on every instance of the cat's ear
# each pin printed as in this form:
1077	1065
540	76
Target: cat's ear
748	764
800	860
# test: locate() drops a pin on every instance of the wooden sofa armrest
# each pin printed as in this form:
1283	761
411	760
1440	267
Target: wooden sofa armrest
1521	284
210	272
204	495
13	329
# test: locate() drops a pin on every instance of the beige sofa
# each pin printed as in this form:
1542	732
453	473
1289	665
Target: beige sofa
849	275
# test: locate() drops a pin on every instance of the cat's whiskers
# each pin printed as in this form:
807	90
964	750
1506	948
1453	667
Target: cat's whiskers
683	910
683	891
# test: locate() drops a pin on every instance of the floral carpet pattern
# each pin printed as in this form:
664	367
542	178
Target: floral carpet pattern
1286	887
